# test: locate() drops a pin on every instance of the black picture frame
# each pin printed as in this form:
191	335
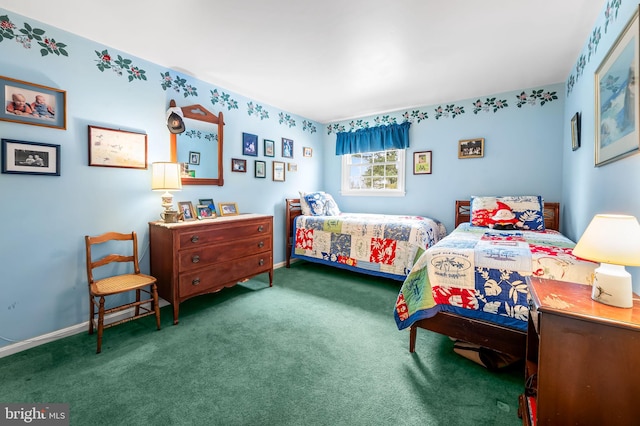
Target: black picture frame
269	148
194	158
30	158
575	131
260	169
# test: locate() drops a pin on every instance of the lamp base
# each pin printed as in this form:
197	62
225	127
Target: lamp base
612	286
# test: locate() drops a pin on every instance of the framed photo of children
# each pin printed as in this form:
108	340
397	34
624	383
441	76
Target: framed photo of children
30	158
471	148
29	103
249	144
422	163
117	148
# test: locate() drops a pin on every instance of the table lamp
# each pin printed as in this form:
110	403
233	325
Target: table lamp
614	241
166	177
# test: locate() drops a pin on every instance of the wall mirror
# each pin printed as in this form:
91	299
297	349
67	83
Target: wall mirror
199	147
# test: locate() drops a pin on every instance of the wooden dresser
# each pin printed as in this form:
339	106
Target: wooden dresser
583	358
198	257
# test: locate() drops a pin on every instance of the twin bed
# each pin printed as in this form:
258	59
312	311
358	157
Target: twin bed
471	284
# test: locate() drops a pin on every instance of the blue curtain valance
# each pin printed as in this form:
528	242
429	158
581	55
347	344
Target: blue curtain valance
379	138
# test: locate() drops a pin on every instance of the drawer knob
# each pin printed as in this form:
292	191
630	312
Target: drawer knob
261	244
260	228
261	262
195	239
195	281
195	259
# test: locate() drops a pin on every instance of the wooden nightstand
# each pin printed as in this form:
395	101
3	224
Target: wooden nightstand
583	358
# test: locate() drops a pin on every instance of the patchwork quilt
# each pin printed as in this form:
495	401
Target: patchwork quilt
383	245
480	273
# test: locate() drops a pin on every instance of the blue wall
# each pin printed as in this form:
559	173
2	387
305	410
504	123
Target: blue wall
44	218
523	149
589	190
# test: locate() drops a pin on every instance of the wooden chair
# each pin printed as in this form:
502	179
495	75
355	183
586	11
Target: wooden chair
117	284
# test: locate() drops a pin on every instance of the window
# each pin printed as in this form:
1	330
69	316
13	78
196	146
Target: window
374	173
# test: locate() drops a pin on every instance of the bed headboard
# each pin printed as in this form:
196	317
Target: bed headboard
292	210
551	214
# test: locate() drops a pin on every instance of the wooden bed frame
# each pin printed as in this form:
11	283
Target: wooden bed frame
493	336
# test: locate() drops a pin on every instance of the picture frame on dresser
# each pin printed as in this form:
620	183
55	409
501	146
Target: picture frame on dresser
30	103
616	118
204	212
209	203
228	209
186	208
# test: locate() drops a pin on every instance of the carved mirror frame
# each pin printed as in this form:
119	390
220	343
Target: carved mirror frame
198	112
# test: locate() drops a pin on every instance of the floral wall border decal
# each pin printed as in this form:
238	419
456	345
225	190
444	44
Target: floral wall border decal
178	83
493	104
105	61
27	34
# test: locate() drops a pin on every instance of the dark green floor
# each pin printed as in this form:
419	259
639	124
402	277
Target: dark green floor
319	348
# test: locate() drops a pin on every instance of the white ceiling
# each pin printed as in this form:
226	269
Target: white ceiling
333	60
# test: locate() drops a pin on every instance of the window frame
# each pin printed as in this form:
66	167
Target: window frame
398	192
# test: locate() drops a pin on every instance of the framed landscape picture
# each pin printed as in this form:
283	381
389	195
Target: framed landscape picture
616	87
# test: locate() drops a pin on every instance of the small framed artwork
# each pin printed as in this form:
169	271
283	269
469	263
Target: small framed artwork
617	121
209	203
575	131
194	158
30	158
249	144
29	103
186	208
307	151
204	212
117	148
269	148
278	171
260	169
471	148
292	167
287	148
422	163
238	165
228	209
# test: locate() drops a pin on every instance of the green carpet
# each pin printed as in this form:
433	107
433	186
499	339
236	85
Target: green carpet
318	348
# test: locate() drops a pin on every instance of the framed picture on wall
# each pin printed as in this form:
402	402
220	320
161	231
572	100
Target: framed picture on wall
117	148
307	151
30	158
422	163
471	148
575	131
250	144
30	103
260	169
287	148
269	148
238	165
616	92
278	171
194	158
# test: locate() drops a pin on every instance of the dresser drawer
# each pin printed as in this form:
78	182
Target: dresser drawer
214	278
205	255
198	237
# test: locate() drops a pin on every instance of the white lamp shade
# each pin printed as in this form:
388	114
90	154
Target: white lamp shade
165	177
613	239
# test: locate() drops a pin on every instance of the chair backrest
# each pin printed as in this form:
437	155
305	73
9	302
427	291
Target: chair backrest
110	258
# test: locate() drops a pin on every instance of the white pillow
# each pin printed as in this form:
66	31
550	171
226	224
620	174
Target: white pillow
322	204
304	206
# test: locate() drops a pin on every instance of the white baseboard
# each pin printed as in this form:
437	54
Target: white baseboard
64	332
74	329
